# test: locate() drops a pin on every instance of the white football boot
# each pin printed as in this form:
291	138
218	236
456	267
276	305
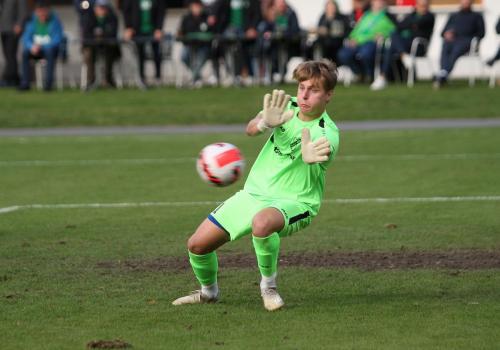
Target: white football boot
272	300
379	84
195	297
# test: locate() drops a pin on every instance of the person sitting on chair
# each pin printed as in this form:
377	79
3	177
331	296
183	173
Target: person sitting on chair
418	24
333	27
41	39
100	30
360	48
196	35
458	33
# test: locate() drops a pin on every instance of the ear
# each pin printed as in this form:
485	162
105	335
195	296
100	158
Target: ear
329	96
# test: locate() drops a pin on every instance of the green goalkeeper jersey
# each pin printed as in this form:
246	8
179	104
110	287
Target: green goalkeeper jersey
279	171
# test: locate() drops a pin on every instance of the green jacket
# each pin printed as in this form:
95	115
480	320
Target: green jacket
370	25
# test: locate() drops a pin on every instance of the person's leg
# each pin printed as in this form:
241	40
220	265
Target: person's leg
201	246
141	57
109	60
26	70
461	47
89	61
50	55
495	58
3	38
366	55
203	259
156	48
346	56
10	43
201	56
445	61
265	227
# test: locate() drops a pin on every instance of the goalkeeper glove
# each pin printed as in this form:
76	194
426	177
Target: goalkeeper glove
314	152
273	113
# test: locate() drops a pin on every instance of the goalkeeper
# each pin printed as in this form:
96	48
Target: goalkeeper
284	188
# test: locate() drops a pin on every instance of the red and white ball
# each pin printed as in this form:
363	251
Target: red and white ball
220	164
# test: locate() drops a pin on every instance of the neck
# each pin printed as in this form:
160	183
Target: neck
308	118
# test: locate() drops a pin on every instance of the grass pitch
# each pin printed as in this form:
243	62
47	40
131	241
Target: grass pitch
168	106
65	276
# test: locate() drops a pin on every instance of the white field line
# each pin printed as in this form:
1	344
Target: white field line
140	161
202	203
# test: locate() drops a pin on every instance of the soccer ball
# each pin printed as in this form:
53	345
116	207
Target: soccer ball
220	164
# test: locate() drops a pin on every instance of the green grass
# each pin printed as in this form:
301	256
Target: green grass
53	294
217	105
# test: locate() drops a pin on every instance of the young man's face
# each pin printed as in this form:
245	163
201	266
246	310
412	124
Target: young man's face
42	13
312	98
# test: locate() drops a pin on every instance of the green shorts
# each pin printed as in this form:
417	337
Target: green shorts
235	215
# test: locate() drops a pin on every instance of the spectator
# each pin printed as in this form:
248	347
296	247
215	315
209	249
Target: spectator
238	19
333	27
41	40
360	49
12	16
143	24
197	37
279	31
359	7
458	33
84	9
420	23
100	35
492	61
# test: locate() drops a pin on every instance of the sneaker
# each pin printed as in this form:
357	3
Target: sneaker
379	84
272	300
194	298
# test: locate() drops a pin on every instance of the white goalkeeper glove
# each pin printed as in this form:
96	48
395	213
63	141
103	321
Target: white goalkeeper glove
314	152
274	112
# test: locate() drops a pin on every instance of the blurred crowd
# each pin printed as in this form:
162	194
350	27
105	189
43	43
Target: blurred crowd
252	39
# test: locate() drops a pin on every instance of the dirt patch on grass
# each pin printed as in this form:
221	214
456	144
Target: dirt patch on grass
366	260
108	344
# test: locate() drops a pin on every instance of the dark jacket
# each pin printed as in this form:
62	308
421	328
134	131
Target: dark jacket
337	27
192	25
292	28
498	26
12	12
465	24
132	14
82	10
415	25
221	9
55	33
109	27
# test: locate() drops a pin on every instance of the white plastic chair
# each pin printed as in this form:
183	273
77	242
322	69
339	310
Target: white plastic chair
477	63
410	61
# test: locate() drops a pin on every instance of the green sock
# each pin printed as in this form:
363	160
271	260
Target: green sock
267	250
205	267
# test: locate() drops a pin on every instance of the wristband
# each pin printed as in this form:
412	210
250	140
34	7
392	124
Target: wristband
262	126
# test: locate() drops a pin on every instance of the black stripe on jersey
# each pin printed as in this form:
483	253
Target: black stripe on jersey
322	123
272	138
296	218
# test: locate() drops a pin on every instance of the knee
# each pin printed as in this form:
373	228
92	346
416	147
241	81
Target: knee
196	247
261	226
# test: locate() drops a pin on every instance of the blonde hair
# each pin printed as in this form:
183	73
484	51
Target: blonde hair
323	71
